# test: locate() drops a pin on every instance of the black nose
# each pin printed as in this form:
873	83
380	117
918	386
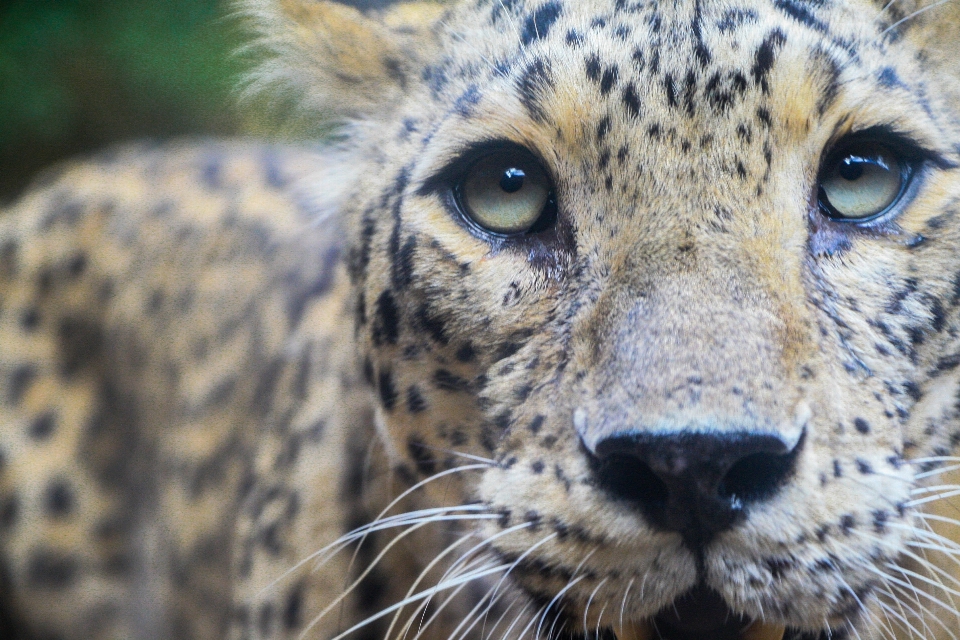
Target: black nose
697	484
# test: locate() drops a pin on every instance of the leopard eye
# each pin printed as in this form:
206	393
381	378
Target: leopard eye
507	192
862	180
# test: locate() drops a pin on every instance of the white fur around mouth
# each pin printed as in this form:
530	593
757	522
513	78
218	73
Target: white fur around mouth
755	631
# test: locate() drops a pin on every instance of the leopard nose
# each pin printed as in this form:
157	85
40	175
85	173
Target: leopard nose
697	484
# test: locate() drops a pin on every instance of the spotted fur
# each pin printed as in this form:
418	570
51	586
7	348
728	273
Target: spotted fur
219	359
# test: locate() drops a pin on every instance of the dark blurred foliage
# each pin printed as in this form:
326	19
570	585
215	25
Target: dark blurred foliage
76	75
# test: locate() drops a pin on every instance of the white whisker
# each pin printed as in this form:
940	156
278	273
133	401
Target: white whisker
912	16
443	586
586	610
453	567
401	520
623	603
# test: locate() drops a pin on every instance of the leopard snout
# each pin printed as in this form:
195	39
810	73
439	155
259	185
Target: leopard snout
694	483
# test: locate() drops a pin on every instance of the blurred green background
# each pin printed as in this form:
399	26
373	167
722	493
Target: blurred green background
76	75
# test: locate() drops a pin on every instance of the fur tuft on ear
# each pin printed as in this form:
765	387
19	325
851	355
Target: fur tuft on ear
332	60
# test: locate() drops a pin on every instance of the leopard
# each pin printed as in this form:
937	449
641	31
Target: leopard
588	320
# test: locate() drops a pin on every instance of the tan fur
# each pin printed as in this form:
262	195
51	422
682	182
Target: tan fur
219	358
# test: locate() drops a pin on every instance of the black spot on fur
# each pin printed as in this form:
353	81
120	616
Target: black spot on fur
293	610
631	100
386	328
533	83
20	380
51	570
609	79
797	10
415	401
387	390
888	77
59	500
80	342
538	24
435	326
847	523
42	426
447	381
422	456
766	56
603	128
466	353
536	424
593	68
880	518
861	425
9	511
913	390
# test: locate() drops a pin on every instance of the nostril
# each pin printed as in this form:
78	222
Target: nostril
757	476
628	478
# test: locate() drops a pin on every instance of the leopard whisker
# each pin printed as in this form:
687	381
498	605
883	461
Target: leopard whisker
945	545
492	597
489	462
623	603
445	602
940	496
852	591
935	472
927	580
395	501
922	609
902	615
938	518
882	626
516	562
404	519
467	565
903	583
471	615
426	481
570	584
516	26
516	620
586	609
927	564
483	630
443	586
934	488
911	17
453	567
349	588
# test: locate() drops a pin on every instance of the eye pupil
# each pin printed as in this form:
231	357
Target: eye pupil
512	180
851	168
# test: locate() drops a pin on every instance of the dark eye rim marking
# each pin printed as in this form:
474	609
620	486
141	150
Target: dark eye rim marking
913	160
448	181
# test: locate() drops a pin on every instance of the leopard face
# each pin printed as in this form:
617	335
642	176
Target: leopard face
695	379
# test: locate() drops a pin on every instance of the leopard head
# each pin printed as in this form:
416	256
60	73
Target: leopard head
674	287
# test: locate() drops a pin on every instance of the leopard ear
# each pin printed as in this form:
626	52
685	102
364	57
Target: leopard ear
334	61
